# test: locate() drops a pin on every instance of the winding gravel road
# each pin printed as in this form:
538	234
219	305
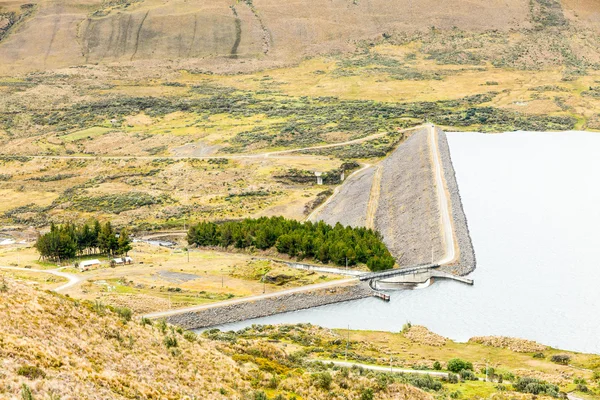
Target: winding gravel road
72	279
348	364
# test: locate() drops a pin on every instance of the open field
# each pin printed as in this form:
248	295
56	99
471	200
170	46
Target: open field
163	278
417	348
156	192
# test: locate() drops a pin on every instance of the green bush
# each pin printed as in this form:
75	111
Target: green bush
437	366
425	382
563	359
535	386
456	365
26	393
322	380
31	372
467	375
367	394
124	312
171	341
190	336
260	396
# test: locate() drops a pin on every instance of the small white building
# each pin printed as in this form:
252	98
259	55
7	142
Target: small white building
87	264
122	261
319	178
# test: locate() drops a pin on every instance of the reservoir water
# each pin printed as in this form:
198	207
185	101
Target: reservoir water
532	201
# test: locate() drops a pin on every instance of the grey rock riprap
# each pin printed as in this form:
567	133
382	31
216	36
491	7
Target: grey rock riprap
467	261
269	306
349	205
407	215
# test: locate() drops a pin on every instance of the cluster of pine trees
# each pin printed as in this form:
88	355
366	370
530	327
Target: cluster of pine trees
317	241
65	242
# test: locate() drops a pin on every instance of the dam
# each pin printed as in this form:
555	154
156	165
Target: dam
412	200
533	214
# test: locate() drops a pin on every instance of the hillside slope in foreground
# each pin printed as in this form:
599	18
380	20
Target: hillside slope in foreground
56	347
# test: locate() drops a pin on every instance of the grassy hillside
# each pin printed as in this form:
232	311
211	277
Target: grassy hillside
95	352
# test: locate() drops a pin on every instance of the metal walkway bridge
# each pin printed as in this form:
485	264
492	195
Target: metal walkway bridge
389	273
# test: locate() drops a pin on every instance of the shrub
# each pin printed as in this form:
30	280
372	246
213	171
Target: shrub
456	365
124	312
467	375
563	359
26	393
162	326
437	366
31	372
367	394
260	396
452	378
425	382
535	386
539	355
171	341
145	321
322	380
190	336
582	388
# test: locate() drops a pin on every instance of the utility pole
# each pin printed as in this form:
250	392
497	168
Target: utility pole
347	344
185	188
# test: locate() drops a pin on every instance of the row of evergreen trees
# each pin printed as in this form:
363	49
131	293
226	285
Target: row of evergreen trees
67	241
317	241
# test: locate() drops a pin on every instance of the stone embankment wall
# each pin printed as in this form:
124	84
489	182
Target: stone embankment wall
467	261
349	205
269	306
408	215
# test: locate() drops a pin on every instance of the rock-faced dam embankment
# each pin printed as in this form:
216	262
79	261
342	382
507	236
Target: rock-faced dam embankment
269	306
407	212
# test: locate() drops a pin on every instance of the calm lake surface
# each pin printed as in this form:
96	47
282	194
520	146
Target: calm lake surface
532	202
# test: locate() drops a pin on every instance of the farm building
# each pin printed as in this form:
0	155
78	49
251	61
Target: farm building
122	261
87	264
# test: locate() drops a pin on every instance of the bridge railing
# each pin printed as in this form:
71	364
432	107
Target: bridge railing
395	272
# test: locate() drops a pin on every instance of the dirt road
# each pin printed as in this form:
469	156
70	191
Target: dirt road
384	369
72	279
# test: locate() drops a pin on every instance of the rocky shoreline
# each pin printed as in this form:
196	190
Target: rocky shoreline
269	306
467	261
